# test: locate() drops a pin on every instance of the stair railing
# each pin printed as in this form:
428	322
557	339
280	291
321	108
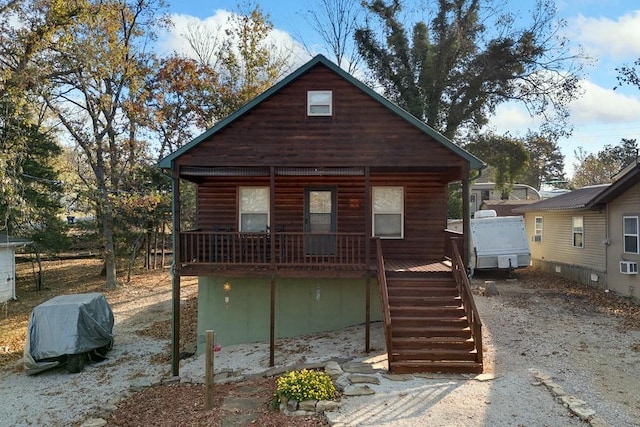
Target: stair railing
464	287
384	296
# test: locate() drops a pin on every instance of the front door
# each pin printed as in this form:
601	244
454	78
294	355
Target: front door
320	220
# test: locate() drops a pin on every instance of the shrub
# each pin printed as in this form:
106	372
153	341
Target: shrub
305	385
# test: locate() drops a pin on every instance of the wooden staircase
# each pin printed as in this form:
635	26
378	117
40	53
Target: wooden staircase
429	326
431	322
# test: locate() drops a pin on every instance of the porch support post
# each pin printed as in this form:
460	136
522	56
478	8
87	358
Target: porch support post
367	332
175	273
367	250
272	324
367	216
466	216
272	210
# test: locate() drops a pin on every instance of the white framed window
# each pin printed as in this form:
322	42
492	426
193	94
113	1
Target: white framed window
319	103
388	212
538	229
253	208
578	232
630	234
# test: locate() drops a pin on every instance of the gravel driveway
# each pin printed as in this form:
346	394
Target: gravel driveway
586	342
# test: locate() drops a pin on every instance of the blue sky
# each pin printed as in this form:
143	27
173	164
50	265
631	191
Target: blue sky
608	31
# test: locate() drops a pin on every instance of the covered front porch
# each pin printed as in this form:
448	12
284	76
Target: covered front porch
294	254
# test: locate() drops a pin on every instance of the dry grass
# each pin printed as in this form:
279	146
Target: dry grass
576	294
72	276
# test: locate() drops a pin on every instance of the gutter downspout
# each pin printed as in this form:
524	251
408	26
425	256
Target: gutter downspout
468	235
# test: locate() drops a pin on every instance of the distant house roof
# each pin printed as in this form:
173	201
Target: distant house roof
474	162
8	241
582	198
505	207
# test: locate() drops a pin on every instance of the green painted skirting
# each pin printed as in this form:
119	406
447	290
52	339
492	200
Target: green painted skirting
302	307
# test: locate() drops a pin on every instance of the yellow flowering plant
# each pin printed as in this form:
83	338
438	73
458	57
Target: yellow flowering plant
305	385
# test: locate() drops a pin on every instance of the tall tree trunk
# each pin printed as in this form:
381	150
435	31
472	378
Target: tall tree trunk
106	213
155	247
109	252
38	276
164	242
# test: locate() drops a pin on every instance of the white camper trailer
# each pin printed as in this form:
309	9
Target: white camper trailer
498	242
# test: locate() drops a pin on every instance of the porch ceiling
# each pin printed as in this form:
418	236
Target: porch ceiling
195	172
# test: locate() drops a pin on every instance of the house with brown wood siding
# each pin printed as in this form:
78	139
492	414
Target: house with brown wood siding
321	204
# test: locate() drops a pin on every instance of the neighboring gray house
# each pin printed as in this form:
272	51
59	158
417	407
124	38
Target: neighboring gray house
591	235
484	191
566	235
8	247
505	207
621	201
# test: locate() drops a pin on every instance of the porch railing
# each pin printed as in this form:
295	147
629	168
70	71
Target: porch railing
273	248
384	296
464	288
451	237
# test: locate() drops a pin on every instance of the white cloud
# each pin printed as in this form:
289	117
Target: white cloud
605	37
512	118
174	40
601	105
596	106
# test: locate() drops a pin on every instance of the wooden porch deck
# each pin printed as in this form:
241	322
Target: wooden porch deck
395	267
417	266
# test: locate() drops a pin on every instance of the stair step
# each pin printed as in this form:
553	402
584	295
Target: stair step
430	331
419	321
426	312
451	367
434	283
433	355
424	343
422	291
446	301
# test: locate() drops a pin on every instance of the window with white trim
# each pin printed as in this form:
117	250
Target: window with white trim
319	103
630	231
254	208
388	212
578	231
538	229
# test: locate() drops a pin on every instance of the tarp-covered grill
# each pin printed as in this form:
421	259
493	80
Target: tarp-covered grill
68	329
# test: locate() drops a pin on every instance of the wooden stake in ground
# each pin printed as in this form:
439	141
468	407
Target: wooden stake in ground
208	369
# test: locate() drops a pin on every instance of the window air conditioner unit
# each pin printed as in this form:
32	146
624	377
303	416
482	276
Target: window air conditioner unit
536	238
628	267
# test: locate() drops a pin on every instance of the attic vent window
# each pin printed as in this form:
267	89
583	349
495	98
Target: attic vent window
319	103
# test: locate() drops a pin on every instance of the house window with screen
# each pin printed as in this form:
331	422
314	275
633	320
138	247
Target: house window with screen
630	230
388	212
578	232
254	208
319	103
538	229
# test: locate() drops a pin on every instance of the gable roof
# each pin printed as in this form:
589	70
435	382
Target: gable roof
626	178
474	162
582	198
8	241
